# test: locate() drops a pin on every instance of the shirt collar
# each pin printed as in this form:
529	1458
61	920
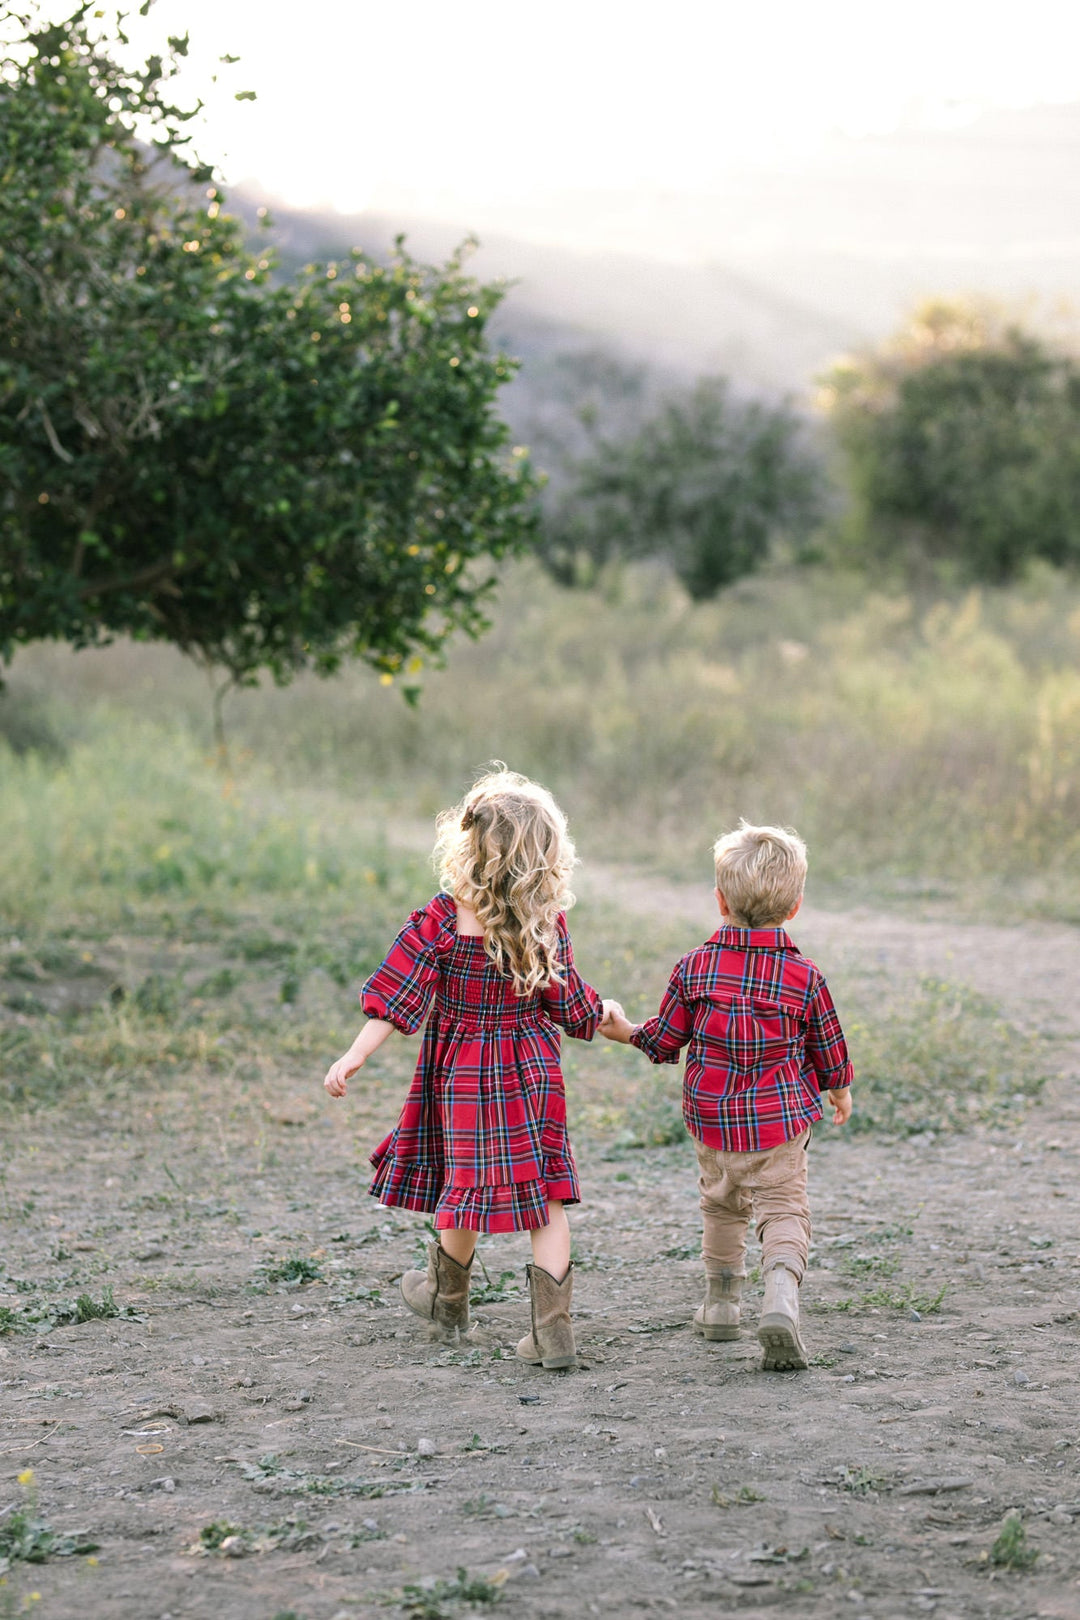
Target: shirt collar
753	939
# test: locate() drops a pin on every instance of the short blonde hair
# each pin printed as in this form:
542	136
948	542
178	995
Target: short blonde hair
761	872
505	852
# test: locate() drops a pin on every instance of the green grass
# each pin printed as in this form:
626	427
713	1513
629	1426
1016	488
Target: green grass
904	1297
160	919
939	1058
927	749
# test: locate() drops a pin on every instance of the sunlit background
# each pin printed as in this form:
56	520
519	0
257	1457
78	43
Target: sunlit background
495	113
805	174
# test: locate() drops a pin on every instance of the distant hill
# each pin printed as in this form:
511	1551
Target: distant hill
773	273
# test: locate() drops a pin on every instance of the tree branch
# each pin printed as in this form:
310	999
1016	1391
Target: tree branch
156	573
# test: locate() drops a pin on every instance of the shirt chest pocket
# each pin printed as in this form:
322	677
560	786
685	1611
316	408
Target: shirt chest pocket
747	1037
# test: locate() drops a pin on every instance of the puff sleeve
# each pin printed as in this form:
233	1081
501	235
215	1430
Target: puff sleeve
573	1004
402	988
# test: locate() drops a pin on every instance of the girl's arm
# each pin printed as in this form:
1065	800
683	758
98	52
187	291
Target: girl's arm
573	1004
369	1040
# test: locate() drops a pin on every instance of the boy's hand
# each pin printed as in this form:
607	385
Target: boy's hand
615	1025
338	1073
841	1104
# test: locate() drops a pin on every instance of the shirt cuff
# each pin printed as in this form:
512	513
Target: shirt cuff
651	1047
836	1079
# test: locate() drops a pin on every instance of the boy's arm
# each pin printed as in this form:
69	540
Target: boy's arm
661	1038
828	1053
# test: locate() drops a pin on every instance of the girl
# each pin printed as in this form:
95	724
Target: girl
481	1142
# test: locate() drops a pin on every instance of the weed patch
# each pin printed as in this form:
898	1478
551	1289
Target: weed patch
440	1599
291	1482
26	1538
297	1268
64	1313
862	1481
235	1541
1011	1550
743	1497
944	1059
494	1292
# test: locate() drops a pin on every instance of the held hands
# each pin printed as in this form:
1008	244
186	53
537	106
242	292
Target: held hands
841	1104
338	1073
615	1025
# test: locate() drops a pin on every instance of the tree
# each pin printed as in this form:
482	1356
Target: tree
962	442
708	483
268	475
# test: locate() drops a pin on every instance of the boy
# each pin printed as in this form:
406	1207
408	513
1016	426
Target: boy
765	1045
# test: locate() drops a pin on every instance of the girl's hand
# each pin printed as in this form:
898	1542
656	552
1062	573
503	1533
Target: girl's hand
615	1025
339	1072
841	1104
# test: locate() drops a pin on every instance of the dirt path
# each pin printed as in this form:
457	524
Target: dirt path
666	1475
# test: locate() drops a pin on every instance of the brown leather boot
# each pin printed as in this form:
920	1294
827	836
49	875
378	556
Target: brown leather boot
778	1326
551	1342
441	1293
718	1317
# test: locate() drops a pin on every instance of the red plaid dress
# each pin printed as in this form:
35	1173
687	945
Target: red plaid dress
481	1142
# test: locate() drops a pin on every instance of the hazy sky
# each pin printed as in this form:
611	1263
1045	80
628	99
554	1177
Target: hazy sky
424	106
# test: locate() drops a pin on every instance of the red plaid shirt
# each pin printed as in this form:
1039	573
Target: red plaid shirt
763	1034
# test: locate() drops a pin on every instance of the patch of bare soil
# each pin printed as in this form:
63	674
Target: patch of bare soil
251	1445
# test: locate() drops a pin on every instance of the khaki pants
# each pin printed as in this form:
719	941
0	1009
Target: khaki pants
769	1185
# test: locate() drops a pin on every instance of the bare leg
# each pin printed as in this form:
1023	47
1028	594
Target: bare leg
458	1242
551	1243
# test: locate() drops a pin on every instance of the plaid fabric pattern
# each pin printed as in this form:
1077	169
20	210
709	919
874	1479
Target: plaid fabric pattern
481	1141
764	1039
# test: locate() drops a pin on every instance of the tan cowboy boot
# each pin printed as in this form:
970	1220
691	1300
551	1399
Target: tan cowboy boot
718	1317
441	1293
778	1327
551	1342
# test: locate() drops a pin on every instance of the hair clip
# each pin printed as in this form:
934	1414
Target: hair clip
468	819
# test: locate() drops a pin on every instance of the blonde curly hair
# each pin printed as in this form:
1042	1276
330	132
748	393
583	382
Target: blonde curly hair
505	853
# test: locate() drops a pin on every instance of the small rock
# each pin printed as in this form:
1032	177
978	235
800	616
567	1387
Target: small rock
518	1556
233	1547
848	1378
166	1484
370	1524
848	1349
425	1448
913	1315
528	1572
1020	1377
529	1400
1059	1515
199	1412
